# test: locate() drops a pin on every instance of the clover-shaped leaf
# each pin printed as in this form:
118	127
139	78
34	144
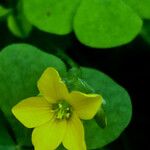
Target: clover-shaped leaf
100	24
106	23
142	7
51	15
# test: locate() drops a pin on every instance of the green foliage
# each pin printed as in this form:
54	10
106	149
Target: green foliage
75	83
21	66
101	118
52	16
3	11
117	109
142	7
146	31
17	22
96	23
100	24
18	25
6	142
106	23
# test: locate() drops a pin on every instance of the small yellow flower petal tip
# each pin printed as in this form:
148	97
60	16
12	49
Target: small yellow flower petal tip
55	114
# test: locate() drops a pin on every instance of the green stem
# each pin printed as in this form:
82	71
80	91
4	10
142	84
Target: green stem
66	58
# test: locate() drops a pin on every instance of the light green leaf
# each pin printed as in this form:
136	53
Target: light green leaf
18	25
142	7
106	23
3	11
17	22
51	15
117	109
21	65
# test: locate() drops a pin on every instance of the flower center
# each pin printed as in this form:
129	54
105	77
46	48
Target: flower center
62	110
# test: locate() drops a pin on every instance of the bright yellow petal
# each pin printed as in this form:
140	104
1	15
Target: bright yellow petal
33	111
74	137
49	136
85	105
51	86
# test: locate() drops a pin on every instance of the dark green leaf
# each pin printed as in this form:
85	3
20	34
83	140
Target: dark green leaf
21	65
75	83
117	109
146	31
101	118
6	142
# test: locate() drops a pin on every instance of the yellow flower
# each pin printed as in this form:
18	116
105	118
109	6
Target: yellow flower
55	114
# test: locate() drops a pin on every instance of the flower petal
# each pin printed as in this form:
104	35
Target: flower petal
74	137
49	136
85	105
33	111
51	86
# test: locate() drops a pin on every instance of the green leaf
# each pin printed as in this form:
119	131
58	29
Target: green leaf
117	109
6	142
17	22
18	25
21	65
51	15
7	147
106	23
101	118
146	31
74	83
142	7
3	11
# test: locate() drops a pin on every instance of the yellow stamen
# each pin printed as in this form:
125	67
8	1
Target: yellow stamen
62	110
